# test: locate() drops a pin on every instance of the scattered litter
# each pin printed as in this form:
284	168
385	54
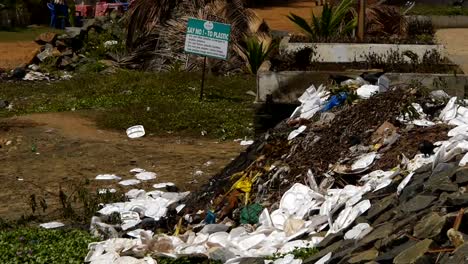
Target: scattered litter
137	170
198	173
136	131
110	43
297	132
129	182
104	191
246	142
367	90
208	163
146	176
163	185
364	161
51	225
108	177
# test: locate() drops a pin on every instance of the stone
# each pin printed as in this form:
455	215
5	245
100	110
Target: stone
430	226
395	251
44	38
65	62
413	254
74	32
414	188
458	199
460	255
378	233
221	254
440	183
381	206
370	254
385	217
330	239
214	228
462	177
335	247
418	203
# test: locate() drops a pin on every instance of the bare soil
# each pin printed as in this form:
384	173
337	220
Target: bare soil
455	41
14	54
42	152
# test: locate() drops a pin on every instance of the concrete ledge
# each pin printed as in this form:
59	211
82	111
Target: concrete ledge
285	87
444	21
354	52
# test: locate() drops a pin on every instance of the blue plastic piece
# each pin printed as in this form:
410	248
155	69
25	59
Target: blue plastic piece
210	218
335	100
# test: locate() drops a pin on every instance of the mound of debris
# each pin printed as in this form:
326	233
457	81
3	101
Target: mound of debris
381	179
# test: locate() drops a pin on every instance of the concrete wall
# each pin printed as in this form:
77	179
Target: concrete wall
350	52
444	21
286	87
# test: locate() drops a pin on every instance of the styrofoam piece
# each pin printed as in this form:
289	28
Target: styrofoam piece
288	259
104	191
367	90
311	102
237	233
109	257
299	200
52	225
200	238
150	207
163	185
292	226
180	207
251	241
135	194
137	233
324	259
296	132
191	250
347	216
358	231
108	177
364	161
137	170
137	131
312	182
265	219
404	182
455	149
418	161
292	245
220	238
423	123
460	130
450	110
129	219
129	182
146	176
246	142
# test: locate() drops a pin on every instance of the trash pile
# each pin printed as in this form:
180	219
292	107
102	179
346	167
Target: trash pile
380	179
61	54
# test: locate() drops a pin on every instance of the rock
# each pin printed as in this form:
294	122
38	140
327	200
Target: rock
444	170
370	254
48	50
381	206
378	233
221	254
460	255
458	199
330	239
44	38
19	73
395	251
65	62
462	177
430	226
440	181
415	187
74	32
385	217
214	228
418	203
335	247
414	254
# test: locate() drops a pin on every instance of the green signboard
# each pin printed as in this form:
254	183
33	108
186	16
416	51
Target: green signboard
207	38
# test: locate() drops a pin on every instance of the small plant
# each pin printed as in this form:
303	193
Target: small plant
256	52
332	22
299	253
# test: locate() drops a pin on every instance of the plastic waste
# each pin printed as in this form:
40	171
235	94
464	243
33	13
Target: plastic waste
335	100
246	142
450	110
311	102
146	176
364	161
52	225
108	177
288	259
324	259
439	95
210	218
384	84
129	219
137	170
137	131
299	200
163	185
250	214
104	191
358	231
404	182
367	90
296	132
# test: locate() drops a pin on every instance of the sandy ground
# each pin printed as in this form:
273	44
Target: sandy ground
69	149
13	54
455	41
276	16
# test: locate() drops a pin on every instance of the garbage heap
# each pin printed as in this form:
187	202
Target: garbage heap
61	54
366	175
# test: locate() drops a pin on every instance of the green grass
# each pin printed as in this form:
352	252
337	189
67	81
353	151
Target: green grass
24	34
162	103
37	245
427	10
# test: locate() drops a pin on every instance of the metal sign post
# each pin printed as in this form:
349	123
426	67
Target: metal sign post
207	39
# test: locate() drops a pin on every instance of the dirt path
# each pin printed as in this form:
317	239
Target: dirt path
13	54
455	41
276	18
39	153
